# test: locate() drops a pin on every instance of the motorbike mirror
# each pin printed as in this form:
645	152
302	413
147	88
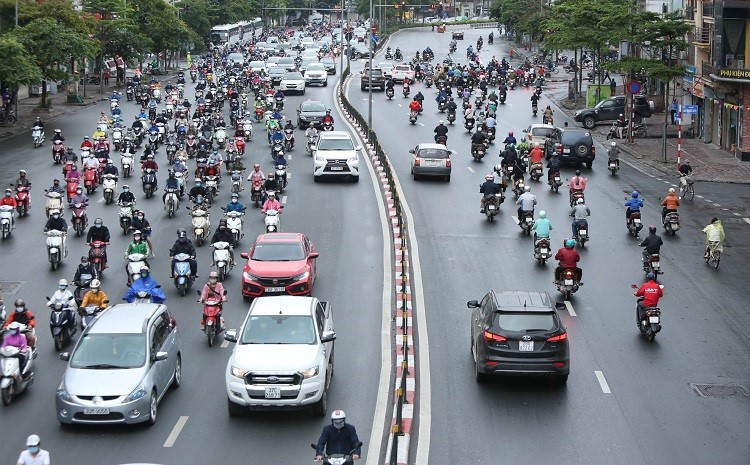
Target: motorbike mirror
158	286
411	151
225	292
106	301
47	298
314	446
560	306
313	255
71	298
128	284
64	356
198	292
243	254
357	445
634	286
472	304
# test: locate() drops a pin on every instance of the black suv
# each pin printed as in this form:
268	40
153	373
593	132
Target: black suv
610	109
572	145
378	79
518	333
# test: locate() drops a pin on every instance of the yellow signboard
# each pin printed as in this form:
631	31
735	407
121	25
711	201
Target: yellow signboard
734	73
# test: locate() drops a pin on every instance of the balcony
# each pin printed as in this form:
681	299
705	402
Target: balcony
708	9
689	11
707	69
702	37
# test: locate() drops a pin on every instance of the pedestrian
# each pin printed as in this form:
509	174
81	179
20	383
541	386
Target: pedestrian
607	77
673	111
612	87
105	76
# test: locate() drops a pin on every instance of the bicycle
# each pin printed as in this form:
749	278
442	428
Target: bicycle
713	256
7	117
687	191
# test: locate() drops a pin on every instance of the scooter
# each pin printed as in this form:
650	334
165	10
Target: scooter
613	167
201	225
574	196
222	259
89	180
117	138
582	234
15	379
650	323
389	92
451	116
55	248
126	215
276	150
211	184
339	459
519	187
54	202
555	182
492	205
6	220
62	323
220	136
236	177
477	151
79	220
96	255
109	185
213	322
37	135
288	140
183	278
272	220
469	124
58	149
672	223
149	182
634	223
311	142
235	225
136	261
413	117
536	171
126	163
568	283
89	314
527	220
256	194
280	178
171	201
542	251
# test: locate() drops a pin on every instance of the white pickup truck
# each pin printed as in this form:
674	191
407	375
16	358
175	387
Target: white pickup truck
283	357
403	71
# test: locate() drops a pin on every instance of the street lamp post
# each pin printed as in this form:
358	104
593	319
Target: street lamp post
369	86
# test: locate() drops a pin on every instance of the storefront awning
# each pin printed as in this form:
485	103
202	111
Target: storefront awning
725	79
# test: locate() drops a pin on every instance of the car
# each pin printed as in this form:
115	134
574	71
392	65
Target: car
572	145
610	109
287	63
518	333
360	50
307	42
315	73
387	68
403	71
431	160
360	34
538	133
292	81
310	113
235	58
273	61
335	155
308	54
457	35
121	367
283	49
283	356
279	263
275	73
330	65
307	62
377	77
257	66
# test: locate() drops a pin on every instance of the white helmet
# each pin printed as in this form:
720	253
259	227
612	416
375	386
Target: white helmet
536	144
441	122
527	188
579	201
95	284
33	440
613	144
489	177
62	282
671	190
338	418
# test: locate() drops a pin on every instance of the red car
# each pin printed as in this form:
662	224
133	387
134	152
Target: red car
279	263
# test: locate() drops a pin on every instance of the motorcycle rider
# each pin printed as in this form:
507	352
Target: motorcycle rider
57	223
24	316
137	246
139	222
478	139
576	184
151	164
10	201
535	156
568	258
579	213
87	144
256	174
548	114
441	130
541	227
311	132
110	168
197	190
650	293
489	187
534	100
634	204
451	106
223	234
183	245
328	118
271	203
22	180
126	196
58	136
14	338
63	296
613	154
414	105
651	245
510	140
338	438
94	296
85	267
212	290
171	183
79	197
234	205
714	235
526	203
56	187
669	204
144	282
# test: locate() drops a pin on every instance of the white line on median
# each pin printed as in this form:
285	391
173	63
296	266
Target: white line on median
289	157
747	220
175	431
569	306
470	169
283	200
602	382
224	344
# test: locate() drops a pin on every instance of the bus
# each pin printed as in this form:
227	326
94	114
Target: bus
225	34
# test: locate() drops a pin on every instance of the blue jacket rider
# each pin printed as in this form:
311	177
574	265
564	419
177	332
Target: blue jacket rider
234	205
277	136
279	94
145	283
510	139
634	204
441	97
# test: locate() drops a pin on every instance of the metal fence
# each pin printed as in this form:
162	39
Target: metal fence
372	139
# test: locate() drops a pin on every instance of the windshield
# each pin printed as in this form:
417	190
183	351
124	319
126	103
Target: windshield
524	322
278	252
335	144
257	64
316	67
293	77
279	329
315	107
286	61
433	153
110	351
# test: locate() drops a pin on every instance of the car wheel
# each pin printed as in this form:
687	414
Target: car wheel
355	178
177	377
320	407
414	175
561	380
325	83
153	408
316	178
478	375
234	410
589	122
448	178
589	164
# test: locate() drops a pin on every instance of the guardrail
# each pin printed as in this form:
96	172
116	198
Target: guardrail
402	268
484	25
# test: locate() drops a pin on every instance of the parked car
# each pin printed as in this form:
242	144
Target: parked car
572	145
431	160
611	108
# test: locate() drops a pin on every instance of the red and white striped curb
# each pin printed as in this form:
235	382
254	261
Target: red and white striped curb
403	296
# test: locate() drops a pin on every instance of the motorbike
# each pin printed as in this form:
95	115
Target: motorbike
171	151
212	188
54	202
503	96
527	221
536	171
389	92
37	135
276	149
272	221
89	314
62	323
555	182
96	255
55	248
575	195
149	182
220	136
235	225
650	323
171	201
491	134
672	223
311	141
477	151
534	109
15	379
236	178
126	215
109	185
58	149
406	91
193	75
451	116
191	146
213	322
222	259
183	279
280	178
442	140
117	138
568	284
542	250
469	124
339	459
519	187
428	81
612	166
6	220
413	117
22	200
492	205
279	103
634	223
201	225
136	261
327	126
256	194
652	264
89	180
288	140
79	220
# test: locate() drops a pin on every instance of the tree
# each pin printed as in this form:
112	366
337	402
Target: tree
158	21
51	45
16	66
113	23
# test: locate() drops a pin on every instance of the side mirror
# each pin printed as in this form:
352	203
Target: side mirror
328	336
560	306
313	255
358	148
230	335
472	304
158	286
64	356
411	151
161	356
198	292
525	130
106	301
243	254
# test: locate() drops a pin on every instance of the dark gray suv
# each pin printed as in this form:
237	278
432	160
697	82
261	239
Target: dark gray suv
572	145
610	109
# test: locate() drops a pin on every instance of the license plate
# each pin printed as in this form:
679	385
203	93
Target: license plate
557	178
96	411
566	150
337	168
275	289
526	346
568	282
438	162
491	207
273	393
543	251
636	220
653	319
655	264
582	232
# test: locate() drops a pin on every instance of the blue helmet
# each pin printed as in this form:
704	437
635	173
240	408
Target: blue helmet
570	243
651	276
634	194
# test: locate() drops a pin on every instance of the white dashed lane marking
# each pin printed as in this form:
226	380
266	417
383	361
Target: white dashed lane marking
602	382
570	308
747	220
175	431
470	169
283	200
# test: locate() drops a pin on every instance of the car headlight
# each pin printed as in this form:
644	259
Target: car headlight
136	394
301	276
249	277
61	393
320	159
303	117
238	372
310	372
353	159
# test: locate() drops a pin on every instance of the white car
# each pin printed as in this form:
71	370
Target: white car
283	357
257	66
387	68
292	81
309	54
401	72
335	155
307	42
315	73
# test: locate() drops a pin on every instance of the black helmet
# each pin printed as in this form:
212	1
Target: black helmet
578	172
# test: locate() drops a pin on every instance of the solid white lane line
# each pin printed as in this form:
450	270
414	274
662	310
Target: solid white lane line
747	220
569	306
175	431
717	204
699	196
470	169
224	344
289	157
602	382
283	200
421	124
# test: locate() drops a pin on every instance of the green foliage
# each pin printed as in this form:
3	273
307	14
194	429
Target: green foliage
16	66
520	16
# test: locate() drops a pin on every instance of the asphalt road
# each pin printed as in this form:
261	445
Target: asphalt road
627	400
343	221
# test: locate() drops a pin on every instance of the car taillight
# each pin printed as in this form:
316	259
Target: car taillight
558	338
417	161
492	337
593	150
447	162
558	148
